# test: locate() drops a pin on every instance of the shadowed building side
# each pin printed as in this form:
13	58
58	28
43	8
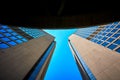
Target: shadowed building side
25	55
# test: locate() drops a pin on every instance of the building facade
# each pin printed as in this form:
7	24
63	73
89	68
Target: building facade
24	53
96	50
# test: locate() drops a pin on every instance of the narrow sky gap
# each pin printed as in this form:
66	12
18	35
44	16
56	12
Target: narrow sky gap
62	65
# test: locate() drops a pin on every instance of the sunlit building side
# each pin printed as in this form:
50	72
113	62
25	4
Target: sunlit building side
96	50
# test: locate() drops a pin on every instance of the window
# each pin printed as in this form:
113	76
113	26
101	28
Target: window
2	45
105	43
110	39
117	41
112	46
118	50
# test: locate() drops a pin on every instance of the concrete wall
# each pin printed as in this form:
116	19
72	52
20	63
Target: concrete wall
103	62
17	61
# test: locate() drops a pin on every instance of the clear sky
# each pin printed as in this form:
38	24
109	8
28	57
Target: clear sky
62	65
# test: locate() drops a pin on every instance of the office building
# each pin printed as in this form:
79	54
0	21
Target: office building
24	53
96	51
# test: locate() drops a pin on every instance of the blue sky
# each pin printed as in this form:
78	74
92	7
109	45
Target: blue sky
62	65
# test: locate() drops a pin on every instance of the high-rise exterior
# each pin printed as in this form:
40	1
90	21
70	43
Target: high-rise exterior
97	51
24	53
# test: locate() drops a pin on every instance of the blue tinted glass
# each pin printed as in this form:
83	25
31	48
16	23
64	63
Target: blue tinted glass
108	30
9	30
116	35
1	35
112	26
104	38
110	39
92	39
118	26
4	27
19	41
99	37
117	41
13	38
109	34
2	31
104	33
112	46
118	50
14	33
5	39
105	44
114	30
12	43
96	36
107	26
25	40
95	40
99	42
2	45
103	30
7	34
19	36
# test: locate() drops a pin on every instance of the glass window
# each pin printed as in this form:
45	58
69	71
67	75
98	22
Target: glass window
105	43
114	30
1	35
12	43
104	38
2	45
25	40
19	36
5	39
116	35
13	38
112	26
108	30
19	41
104	33
95	40
110	39
117	41
109	34
100	37
118	50
118	26
4	27
107	26
9	30
99	42
7	34
2	31
112	46
14	33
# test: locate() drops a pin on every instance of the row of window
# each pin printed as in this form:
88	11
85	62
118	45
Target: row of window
8	37
35	33
85	32
109	36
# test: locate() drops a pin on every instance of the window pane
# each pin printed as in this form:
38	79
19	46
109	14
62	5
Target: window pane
118	50
105	44
112	46
110	39
2	45
12	43
5	39
19	41
117	41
